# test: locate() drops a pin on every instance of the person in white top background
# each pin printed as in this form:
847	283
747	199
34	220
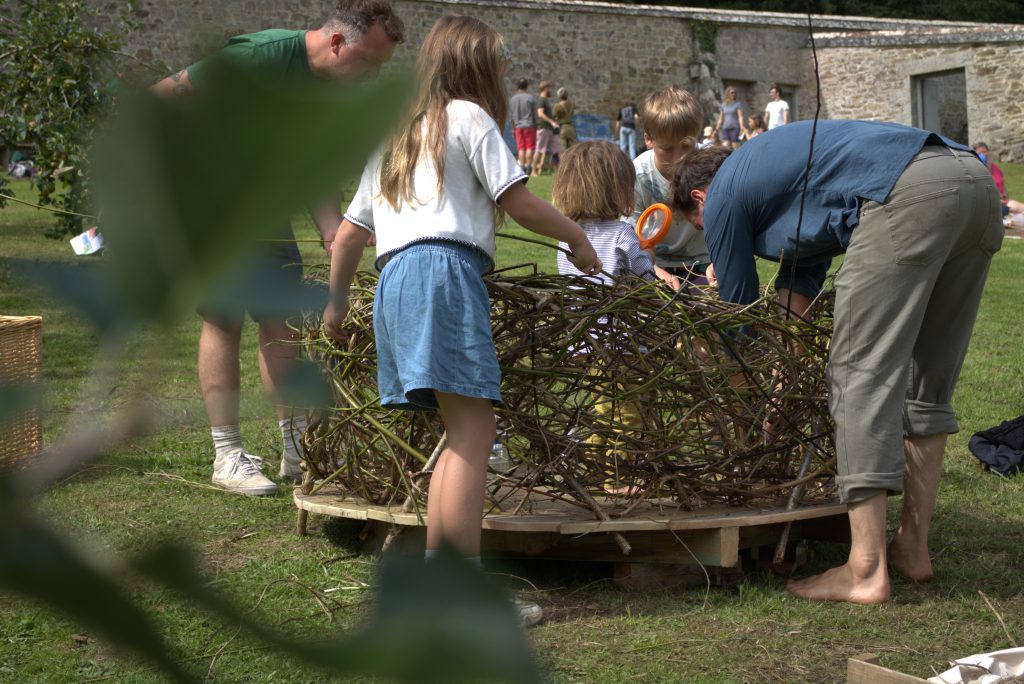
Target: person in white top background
776	112
433	196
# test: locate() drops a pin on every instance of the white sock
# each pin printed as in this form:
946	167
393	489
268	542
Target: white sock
292	430
227	440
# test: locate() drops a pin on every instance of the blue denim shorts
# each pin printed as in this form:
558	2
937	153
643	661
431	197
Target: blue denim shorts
432	322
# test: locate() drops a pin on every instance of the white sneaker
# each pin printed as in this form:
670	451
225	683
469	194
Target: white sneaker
241	473
291	468
529	612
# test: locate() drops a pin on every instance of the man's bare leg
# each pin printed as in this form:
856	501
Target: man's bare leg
277	355
908	551
219	371
864	578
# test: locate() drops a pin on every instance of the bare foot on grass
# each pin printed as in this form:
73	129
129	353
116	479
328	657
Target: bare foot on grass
909	560
844	584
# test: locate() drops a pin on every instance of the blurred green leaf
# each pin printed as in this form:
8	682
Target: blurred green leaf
305	386
273	293
188	186
83	287
445	621
15	399
36	562
442	621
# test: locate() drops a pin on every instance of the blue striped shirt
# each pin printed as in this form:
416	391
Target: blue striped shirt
617	247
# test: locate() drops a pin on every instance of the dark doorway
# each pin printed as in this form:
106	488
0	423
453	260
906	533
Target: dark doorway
940	103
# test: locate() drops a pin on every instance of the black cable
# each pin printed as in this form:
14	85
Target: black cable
810	160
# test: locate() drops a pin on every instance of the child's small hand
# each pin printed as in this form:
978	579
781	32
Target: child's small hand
672	281
334	319
584	257
710	275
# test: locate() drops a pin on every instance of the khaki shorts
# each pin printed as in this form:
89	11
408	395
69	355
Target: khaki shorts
906	299
547	141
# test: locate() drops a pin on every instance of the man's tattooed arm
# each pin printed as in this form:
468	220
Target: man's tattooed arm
175	85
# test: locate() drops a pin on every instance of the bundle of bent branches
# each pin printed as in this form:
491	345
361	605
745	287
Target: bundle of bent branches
613	396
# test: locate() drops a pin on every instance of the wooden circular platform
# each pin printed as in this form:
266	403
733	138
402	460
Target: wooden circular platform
566	519
712	537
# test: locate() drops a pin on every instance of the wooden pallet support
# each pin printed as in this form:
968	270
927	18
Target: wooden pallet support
667	546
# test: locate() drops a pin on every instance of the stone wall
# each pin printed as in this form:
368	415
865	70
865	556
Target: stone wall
601	56
602	52
878	82
596	55
605	53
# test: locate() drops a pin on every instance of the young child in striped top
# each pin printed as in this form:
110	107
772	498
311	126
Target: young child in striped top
594	187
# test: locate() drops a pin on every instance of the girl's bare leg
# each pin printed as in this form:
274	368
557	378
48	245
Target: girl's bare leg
456	496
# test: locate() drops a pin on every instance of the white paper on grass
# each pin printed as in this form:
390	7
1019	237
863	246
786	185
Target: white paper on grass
89	242
985	668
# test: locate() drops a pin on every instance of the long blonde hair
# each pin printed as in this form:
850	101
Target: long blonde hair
462	58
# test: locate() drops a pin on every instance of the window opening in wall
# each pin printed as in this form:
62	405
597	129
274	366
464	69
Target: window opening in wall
940	103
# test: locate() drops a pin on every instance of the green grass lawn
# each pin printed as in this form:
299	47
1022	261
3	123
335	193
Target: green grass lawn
752	631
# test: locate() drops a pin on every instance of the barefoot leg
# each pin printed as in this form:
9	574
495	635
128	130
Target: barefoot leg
908	552
863	579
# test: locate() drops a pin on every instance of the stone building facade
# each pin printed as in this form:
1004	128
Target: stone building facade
975	76
960	78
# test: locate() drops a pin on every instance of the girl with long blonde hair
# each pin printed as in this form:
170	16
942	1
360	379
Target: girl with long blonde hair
433	198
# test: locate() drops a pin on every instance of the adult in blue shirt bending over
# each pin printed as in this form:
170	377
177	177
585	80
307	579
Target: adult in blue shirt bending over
918	219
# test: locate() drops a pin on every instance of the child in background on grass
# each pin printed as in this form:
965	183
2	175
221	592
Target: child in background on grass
433	196
594	186
755	126
672	119
709	138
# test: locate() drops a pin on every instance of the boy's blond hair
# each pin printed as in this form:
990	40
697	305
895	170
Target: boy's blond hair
671	115
595	181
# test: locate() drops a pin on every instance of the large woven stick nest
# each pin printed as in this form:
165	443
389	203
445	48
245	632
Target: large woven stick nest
728	402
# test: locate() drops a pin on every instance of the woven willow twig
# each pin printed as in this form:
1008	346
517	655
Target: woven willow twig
676	398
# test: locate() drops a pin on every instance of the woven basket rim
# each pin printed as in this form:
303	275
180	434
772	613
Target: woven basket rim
20	319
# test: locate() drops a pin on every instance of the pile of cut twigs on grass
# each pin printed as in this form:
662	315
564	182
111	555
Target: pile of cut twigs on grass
679	399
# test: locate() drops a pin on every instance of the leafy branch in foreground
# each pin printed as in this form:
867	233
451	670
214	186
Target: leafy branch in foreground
176	216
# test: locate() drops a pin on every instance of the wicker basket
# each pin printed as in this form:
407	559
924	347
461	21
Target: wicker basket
21	365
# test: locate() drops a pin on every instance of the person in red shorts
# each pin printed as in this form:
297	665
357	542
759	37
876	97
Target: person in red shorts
523	112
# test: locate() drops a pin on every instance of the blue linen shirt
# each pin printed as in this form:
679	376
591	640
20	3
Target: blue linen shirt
753	202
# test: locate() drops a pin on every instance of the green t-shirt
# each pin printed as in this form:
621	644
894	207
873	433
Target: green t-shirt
545	104
563	112
278	50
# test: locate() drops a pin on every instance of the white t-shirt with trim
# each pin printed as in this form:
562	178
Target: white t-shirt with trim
479	167
775	108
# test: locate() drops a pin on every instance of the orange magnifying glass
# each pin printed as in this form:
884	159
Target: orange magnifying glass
653	225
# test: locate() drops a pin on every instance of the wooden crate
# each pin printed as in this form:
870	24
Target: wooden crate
680	545
21	367
865	669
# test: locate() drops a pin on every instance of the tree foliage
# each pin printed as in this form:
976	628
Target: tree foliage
988	11
53	67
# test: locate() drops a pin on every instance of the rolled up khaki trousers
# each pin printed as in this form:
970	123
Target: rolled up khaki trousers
907	296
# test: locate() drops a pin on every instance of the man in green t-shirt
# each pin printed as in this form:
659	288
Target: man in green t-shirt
547	130
355	41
